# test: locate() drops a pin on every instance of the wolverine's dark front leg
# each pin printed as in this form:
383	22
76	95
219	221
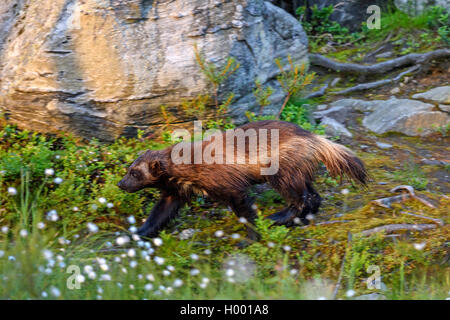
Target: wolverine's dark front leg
162	212
243	207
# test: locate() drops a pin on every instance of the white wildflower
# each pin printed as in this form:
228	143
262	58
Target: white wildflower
122	240
194	256
229	272
419	246
52	215
131	253
219	233
55	292
157	242
178	283
148	287
47	254
102	200
242	220
105	277
80	278
350	293
92	227
133	229
159	260
194	272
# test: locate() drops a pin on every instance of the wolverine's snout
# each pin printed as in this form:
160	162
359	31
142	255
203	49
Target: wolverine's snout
120	184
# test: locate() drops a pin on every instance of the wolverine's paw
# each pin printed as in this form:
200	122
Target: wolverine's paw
146	233
284	217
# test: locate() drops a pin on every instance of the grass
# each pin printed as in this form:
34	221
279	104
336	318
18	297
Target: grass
421	33
73	238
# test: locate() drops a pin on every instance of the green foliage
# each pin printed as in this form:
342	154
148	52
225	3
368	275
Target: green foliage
36	252
299	114
262	95
321	29
292	80
412	33
412	175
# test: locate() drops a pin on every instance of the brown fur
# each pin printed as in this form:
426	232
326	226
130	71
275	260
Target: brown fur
300	153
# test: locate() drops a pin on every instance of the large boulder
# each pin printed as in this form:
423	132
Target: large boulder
103	68
410	117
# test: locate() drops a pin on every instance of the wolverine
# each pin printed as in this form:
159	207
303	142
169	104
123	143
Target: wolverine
234	164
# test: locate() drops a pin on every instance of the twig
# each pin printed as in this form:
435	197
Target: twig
378	68
396	227
324	223
438	221
318	93
375	84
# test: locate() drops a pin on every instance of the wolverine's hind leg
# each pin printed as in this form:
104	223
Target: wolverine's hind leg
302	204
285	217
312	201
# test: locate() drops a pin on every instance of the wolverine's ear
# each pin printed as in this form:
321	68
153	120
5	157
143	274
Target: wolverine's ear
156	168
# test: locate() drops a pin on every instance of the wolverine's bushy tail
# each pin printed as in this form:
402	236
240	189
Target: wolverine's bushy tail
340	161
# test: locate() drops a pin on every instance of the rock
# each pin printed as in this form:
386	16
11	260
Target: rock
434	162
355	104
410	117
102	69
187	233
383	145
371	296
337	112
439	95
334	128
416	7
321	107
444	107
396	90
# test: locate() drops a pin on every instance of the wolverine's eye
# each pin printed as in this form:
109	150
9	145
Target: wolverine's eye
134	174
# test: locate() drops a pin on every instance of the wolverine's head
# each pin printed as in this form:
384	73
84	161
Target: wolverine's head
144	172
